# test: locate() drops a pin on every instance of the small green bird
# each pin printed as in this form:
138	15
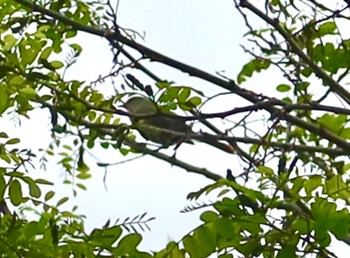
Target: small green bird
164	128
154	125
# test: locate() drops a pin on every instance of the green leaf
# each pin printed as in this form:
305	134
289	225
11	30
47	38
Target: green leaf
34	189
62	201
28	93
170	95
209	216
43	182
3	135
127	245
312	183
46	53
202	243
334	123
253	223
108	236
49	195
15	174
287	251
17	80
83	169
302	226
4	100
104	145
184	94
265	170
90	144
326	28
9	41
81	186
83	175
29	48
91	115
298	184
71	34
15	192
340	224
77	48
13	141
2	187
33	229
336	187
249	247
256	65
225	256
192	246
163	85
226	228
172	250
56	64
194	102
323	212
5	157
283	88
345	133
207	238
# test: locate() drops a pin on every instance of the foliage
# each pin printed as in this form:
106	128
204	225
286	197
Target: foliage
292	196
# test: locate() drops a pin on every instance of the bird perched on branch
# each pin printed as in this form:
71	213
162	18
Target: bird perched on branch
165	128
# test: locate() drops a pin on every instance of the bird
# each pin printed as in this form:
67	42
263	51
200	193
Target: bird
229	175
164	128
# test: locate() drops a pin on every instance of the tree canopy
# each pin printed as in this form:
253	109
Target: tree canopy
288	198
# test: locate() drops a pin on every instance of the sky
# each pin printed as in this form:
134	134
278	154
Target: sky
203	33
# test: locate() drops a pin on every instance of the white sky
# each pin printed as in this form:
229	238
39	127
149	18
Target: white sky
202	33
